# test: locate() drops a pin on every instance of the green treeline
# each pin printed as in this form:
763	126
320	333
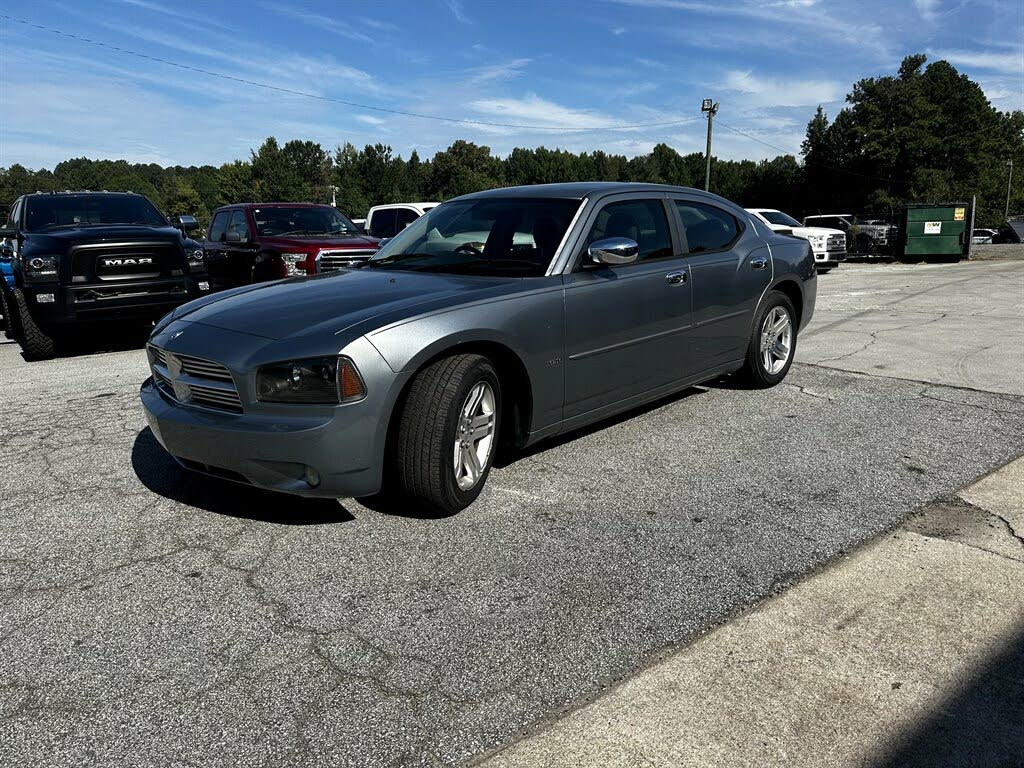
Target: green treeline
926	134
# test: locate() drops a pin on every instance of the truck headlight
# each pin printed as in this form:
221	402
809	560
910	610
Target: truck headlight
818	243
291	263
41	268
329	380
196	257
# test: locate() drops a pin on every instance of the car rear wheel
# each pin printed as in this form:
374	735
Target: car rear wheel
448	434
36	344
772	343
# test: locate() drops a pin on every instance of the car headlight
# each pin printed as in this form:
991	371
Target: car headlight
329	380
196	257
40	267
291	263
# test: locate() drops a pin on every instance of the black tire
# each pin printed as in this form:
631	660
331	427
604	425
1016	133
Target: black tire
754	374
36	344
5	322
422	459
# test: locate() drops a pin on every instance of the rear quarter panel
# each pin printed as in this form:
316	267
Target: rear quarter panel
793	261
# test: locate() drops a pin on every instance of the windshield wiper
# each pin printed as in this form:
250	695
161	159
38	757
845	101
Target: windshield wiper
398	257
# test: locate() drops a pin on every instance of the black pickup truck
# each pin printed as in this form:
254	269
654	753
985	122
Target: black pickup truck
93	257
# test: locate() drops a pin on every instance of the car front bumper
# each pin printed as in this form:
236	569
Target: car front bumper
828	259
271	445
51	303
266	451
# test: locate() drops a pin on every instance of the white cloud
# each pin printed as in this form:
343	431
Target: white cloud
502	71
341	25
618	31
370	119
928	9
455	6
1006	63
534	110
781	92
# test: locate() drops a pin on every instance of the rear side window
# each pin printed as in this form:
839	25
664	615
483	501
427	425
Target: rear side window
219	227
707	228
642	221
382	223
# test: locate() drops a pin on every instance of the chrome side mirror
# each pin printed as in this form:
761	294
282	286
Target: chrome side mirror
614	251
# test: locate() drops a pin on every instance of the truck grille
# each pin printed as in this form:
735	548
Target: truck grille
194	381
331	261
93	262
836	243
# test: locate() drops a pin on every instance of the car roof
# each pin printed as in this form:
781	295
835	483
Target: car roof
827	215
575	190
97	192
764	210
274	205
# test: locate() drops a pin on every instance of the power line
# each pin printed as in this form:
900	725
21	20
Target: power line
343	102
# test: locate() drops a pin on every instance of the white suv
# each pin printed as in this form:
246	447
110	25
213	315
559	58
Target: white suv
388	220
829	245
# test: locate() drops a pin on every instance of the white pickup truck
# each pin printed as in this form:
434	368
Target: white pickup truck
829	245
388	220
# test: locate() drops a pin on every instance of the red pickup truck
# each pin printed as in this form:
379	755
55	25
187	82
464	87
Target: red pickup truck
254	242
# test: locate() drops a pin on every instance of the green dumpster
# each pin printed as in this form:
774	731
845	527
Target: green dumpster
937	232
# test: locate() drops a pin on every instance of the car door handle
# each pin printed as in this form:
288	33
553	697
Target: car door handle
676	278
759	263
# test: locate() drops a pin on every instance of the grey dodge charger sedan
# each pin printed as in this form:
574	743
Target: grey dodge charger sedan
497	319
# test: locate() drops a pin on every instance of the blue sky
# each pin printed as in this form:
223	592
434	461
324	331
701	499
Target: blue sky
579	63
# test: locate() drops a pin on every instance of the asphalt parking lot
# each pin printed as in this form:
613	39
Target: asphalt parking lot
152	618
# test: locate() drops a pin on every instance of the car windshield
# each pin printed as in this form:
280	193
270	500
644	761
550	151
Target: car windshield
301	221
778	217
491	236
46	212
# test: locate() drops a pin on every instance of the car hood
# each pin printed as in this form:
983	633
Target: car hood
318	242
333	302
60	240
808	231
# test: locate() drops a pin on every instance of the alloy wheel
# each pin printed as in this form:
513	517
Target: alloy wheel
474	435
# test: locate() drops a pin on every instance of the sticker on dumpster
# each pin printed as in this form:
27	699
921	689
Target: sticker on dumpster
933	227
959	214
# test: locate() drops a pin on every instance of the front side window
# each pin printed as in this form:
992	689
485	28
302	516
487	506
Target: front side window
491	236
14	215
382	224
707	228
218	227
47	212
301	221
239	224
642	221
404	217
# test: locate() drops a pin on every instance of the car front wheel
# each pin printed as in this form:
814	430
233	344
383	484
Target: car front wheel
772	343
448	433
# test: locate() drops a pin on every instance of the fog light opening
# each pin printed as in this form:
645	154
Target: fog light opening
312	477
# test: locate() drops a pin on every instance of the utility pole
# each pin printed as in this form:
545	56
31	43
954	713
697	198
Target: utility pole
711	109
334	196
1009	180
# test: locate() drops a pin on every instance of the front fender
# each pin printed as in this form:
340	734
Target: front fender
529	326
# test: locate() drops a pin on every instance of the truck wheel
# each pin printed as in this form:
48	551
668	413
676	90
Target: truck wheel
772	343
448	433
35	343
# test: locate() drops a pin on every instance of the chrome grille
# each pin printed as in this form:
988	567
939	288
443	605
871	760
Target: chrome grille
836	243
194	381
331	261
